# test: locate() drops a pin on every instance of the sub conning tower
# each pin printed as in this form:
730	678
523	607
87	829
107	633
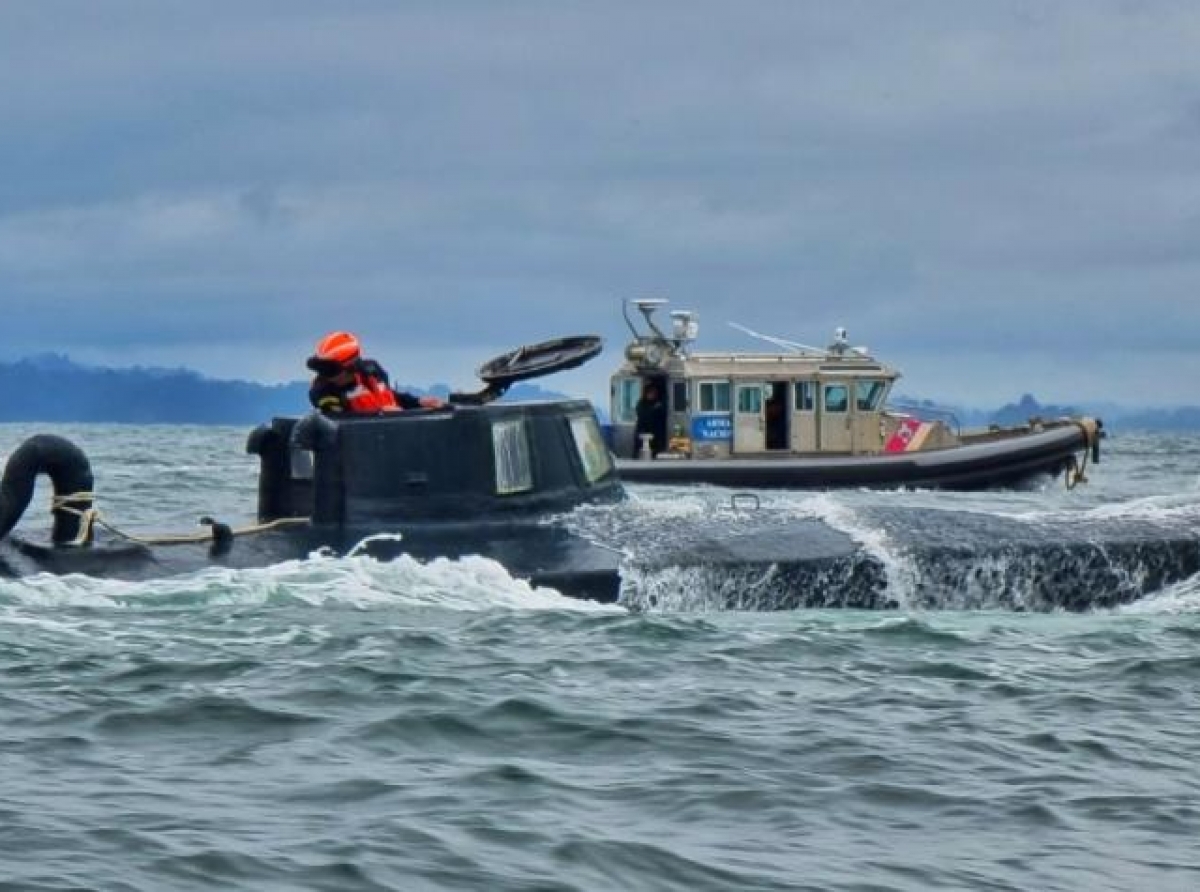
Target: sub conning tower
456	465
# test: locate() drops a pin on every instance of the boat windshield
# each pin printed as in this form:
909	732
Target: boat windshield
868	395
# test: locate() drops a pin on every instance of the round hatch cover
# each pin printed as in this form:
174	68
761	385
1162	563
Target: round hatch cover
535	360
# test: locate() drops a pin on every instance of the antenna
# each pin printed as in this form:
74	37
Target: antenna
790	346
646	306
841	344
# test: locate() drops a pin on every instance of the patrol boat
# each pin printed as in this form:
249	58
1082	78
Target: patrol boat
809	418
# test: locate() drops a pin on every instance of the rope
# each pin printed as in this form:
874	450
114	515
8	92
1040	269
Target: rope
1074	473
59	503
183	538
1075	469
91	516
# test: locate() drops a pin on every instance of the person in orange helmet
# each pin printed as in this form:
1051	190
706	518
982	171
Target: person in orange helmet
348	383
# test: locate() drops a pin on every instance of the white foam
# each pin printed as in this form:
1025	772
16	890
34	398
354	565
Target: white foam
836	510
1182	597
899	571
696	589
469	583
360	548
1159	507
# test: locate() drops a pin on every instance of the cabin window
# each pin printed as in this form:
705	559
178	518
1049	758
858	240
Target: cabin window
679	396
626	392
510	445
714	396
589	443
750	400
868	395
302	463
837	398
806	396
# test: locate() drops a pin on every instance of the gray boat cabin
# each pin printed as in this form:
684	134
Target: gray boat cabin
797	400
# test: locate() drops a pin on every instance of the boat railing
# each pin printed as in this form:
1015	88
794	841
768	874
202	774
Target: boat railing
931	411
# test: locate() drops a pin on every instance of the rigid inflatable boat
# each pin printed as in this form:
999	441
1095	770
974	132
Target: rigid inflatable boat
807	418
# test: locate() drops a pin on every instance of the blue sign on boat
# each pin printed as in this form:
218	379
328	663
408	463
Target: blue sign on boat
712	427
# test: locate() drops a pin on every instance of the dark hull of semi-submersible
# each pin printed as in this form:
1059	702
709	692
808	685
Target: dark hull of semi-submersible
485	480
915	559
514	482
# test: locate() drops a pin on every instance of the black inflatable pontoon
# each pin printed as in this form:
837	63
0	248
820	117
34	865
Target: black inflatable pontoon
1005	462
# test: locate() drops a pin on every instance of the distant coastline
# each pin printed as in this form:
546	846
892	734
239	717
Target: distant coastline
1115	417
53	388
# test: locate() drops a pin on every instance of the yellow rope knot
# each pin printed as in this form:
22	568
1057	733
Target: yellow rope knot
91	517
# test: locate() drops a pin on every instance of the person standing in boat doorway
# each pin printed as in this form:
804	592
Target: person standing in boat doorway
348	383
651	419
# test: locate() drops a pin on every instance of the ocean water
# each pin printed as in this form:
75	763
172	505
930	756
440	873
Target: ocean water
342	724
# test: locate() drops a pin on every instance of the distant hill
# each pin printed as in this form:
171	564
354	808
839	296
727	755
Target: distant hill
1182	418
1028	407
52	388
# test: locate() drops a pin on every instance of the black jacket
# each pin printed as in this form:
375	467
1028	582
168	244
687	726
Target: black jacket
652	419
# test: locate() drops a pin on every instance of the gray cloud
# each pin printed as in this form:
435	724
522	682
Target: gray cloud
219	183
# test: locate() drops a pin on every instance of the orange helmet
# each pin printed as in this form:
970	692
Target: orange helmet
338	346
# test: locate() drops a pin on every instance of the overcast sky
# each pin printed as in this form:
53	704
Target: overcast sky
998	196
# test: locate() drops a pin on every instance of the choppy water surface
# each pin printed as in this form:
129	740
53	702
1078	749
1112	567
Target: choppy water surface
343	724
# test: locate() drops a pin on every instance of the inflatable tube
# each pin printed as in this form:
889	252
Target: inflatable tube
1003	464
68	469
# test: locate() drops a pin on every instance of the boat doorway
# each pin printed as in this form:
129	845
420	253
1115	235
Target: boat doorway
761	417
835	434
651	416
775	415
749	423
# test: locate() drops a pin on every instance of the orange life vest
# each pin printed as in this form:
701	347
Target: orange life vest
370	395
